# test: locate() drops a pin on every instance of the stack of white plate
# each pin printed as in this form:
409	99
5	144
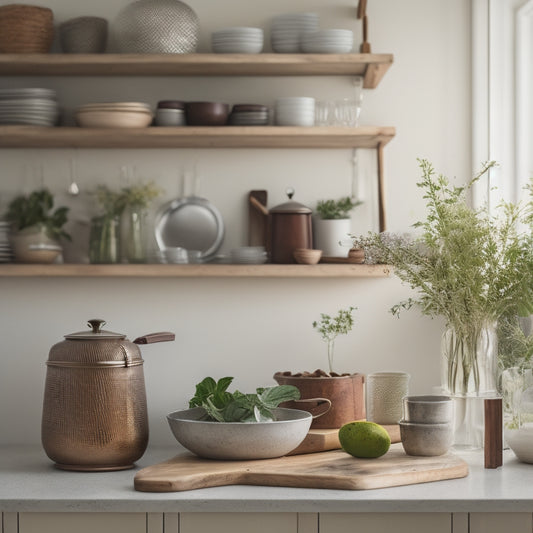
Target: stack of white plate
237	41
295	111
330	41
251	255
30	106
286	31
6	253
114	115
248	115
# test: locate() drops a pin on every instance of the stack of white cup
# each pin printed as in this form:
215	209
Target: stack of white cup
295	111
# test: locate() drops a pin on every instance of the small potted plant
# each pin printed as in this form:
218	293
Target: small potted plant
332	225
37	227
345	391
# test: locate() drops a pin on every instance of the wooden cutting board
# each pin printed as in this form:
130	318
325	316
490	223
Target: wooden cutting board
326	470
322	440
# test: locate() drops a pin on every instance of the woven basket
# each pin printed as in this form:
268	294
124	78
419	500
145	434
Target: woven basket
26	29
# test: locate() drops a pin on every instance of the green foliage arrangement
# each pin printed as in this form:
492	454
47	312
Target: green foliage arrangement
114	202
330	328
468	265
37	209
336	209
223	406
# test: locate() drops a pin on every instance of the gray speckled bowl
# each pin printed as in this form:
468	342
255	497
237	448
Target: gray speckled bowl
240	440
428	409
426	439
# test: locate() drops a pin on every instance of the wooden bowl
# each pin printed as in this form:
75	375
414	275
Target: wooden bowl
307	256
207	113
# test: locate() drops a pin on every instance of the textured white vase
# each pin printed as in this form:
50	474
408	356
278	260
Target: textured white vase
329	233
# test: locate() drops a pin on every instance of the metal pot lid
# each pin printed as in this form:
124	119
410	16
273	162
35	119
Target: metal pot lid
96	332
291	207
192	223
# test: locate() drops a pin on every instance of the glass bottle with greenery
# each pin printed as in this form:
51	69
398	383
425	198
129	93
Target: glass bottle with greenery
467	265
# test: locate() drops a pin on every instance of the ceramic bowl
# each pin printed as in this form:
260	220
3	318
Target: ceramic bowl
521	442
83	35
306	256
206	113
113	119
428	409
240	440
169	117
426	439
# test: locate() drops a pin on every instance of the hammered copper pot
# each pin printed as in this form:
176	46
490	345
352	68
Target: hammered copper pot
94	412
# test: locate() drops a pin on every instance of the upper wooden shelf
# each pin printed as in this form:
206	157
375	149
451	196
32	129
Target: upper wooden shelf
371	66
196	137
196	271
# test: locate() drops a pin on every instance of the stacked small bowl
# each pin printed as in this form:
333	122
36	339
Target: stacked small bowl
239	40
426	428
6	252
28	106
170	113
328	41
295	111
249	255
249	115
286	31
114	115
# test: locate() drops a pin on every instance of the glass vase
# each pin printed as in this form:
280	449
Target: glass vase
469	374
104	240
133	234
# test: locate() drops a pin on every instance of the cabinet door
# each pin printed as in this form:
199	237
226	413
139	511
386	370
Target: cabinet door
384	522
501	523
238	522
82	523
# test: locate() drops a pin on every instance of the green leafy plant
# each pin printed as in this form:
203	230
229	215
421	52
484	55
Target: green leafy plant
223	406
336	209
113	202
36	209
330	328
468	265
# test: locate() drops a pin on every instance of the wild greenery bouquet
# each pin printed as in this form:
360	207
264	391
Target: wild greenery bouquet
468	265
336	209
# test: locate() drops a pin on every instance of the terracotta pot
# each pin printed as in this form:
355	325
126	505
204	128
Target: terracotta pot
344	392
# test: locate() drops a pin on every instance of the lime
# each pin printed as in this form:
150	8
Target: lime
364	439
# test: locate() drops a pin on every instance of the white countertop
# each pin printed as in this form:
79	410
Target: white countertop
29	482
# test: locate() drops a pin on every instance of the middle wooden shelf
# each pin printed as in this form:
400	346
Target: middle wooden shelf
196	137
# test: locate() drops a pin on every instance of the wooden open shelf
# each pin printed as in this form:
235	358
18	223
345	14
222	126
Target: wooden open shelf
372	66
195	137
195	271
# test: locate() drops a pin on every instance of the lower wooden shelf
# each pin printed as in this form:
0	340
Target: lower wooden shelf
195	271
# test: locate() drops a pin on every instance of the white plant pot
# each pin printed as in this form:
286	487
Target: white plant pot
329	233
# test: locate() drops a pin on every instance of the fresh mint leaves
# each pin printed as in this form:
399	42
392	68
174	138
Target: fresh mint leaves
223	406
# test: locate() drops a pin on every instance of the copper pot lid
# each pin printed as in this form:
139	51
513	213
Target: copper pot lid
291	207
96	332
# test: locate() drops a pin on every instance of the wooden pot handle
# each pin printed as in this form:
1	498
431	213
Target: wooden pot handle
321	407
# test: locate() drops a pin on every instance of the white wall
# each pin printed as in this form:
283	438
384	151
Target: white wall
249	328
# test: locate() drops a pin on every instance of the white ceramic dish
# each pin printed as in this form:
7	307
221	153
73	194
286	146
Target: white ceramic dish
113	119
238	440
521	442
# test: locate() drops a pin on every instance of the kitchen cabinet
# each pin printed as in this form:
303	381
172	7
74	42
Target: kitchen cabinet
265	522
371	67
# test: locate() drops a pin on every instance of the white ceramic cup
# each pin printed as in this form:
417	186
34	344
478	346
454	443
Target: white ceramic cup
384	395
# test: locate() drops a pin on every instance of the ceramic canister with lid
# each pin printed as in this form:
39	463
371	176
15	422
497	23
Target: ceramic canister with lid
290	228
94	410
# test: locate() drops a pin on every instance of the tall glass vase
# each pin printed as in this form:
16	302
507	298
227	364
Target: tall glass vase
470	374
104	240
133	234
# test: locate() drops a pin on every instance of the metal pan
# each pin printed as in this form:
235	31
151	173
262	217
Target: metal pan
192	223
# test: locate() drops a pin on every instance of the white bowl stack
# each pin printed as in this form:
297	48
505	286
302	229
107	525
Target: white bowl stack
286	31
28	106
239	40
114	115
295	111
251	255
6	253
330	41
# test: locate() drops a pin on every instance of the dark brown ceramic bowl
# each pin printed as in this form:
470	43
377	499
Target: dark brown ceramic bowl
206	113
171	104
